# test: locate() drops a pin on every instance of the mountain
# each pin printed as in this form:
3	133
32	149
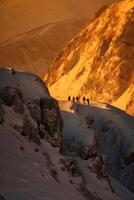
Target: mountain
31	14
35	158
35	50
98	62
40	30
27	107
104	129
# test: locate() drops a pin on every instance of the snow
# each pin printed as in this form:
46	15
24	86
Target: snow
20	173
117	142
26	175
120	123
30	85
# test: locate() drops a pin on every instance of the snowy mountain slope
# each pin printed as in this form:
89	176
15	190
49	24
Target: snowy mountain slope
98	62
28	108
35	50
29	171
31	175
29	84
31	166
113	129
18	17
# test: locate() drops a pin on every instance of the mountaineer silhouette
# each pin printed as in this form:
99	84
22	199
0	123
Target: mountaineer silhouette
88	101
73	99
69	98
77	99
84	100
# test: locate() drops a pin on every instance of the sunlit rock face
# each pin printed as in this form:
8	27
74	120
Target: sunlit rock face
40	30
99	61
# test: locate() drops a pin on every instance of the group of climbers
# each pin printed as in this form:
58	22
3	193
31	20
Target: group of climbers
77	100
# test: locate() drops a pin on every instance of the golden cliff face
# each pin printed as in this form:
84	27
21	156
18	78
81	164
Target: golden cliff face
99	62
38	30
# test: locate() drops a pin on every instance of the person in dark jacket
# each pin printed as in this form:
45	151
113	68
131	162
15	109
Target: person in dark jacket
77	99
73	99
69	98
84	99
88	101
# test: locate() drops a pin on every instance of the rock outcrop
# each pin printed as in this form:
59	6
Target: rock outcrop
38	112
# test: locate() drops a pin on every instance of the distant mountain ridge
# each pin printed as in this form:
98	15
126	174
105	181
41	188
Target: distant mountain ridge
35	31
34	51
99	62
19	17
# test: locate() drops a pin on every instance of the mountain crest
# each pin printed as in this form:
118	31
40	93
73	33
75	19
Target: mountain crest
99	61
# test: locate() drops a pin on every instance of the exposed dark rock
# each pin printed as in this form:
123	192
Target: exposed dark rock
54	174
71	166
130	159
8	95
45	112
99	166
48	159
74	147
42	130
71	182
36	150
26	126
89	152
48	122
30	131
18	128
18	105
39	112
51	118
2	111
2	197
22	149
34	109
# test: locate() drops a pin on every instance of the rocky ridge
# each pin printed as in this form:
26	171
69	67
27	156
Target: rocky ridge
98	62
39	116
